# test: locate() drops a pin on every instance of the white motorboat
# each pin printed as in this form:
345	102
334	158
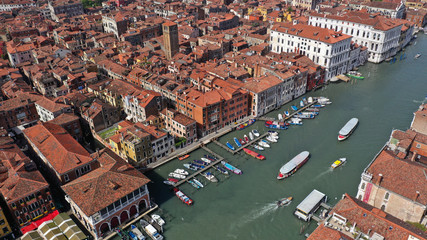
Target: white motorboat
176	175
209	176
198	182
279	116
310	100
251	136
255	132
206	160
271	139
263	144
338	162
159	220
273	133
274	136
258	147
418	55
181	171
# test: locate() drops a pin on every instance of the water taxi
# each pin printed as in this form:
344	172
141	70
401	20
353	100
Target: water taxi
254	154
354	74
183	197
284	201
338	162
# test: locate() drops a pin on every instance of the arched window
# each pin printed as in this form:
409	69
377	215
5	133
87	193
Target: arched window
363	186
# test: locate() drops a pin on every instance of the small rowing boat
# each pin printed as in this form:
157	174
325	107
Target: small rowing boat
173	180
294	108
200	162
246	138
184	157
254	154
206	160
284	201
230	146
231	168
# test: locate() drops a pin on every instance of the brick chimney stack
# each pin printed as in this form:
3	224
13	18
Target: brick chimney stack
380	178
417	194
413	156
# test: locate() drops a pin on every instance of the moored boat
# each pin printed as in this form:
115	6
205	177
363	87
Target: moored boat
132	235
318	105
348	129
221	170
287	113
254	154
293	165
251	136
200	162
209	176
242	141
184	157
197	166
231	168
418	55
230	146
354	74
338	162
257	147
181	171
284	201
198	182
312	109
246	138
263	144
213	159
137	232
245	125
184	198
294	108
192	183
273	133
237	142
176	175
188	166
173	180
276	125
301	103
255	132
159	220
206	160
169	183
271	139
295	121
279	116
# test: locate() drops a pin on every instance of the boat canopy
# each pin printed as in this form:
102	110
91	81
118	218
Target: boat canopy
349	126
294	162
311	201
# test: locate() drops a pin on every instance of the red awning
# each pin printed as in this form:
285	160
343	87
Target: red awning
35	224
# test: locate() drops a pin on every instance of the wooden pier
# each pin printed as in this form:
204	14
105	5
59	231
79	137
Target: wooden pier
251	142
189	177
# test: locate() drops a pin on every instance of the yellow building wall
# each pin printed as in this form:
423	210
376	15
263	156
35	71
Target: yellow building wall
4	224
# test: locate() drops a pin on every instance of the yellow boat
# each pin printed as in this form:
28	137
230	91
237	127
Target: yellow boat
338	162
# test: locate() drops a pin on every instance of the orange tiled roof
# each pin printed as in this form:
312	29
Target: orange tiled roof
103	186
311	32
62	151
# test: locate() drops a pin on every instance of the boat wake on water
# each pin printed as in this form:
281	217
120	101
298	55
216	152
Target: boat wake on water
257	213
330	170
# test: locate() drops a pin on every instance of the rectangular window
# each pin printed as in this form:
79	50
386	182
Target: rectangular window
66	178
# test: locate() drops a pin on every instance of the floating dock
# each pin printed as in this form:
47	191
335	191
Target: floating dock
290	114
251	142
309	205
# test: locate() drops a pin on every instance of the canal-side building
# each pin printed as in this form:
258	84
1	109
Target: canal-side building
419	122
355	219
60	153
379	34
23	189
179	125
395	180
108	196
328	48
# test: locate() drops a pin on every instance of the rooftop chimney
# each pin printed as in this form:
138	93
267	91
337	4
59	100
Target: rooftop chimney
417	194
413	156
380	178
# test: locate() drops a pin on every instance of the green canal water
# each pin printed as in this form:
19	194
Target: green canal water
243	207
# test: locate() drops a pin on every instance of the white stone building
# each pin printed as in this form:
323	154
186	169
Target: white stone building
9	5
325	47
379	34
